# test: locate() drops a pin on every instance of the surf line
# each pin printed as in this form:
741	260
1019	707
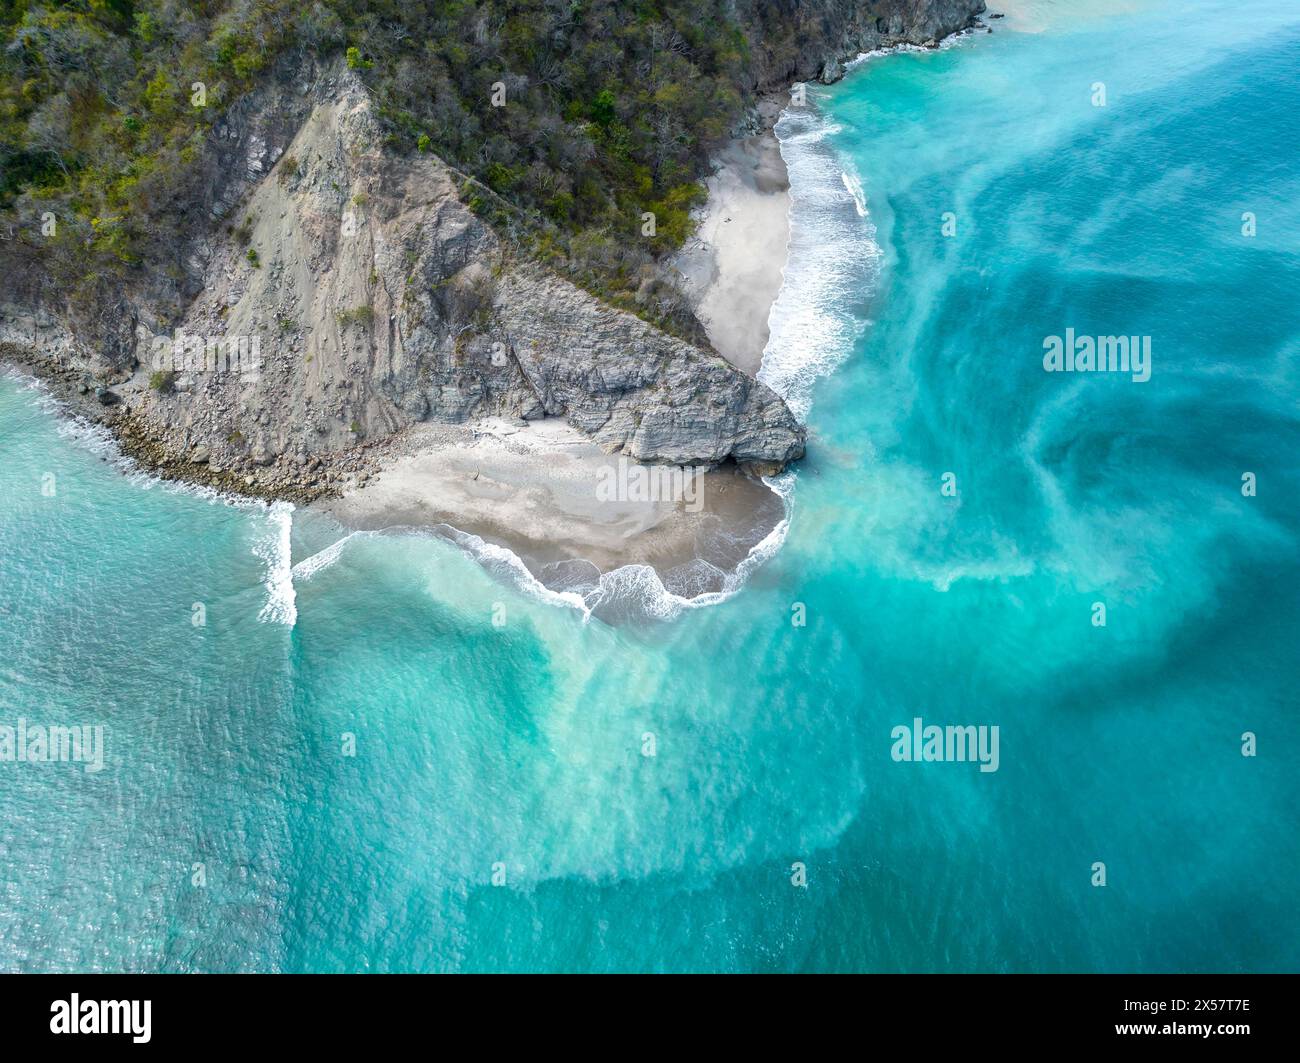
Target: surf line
276	552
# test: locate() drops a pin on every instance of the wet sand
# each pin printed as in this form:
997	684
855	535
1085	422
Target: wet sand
535	488
543	491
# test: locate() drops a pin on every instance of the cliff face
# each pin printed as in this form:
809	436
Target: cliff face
805	40
351	293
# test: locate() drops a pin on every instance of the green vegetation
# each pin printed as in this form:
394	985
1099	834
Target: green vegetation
162	381
360	315
106	106
608	110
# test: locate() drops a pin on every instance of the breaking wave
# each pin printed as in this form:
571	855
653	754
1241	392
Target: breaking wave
627	593
275	548
831	270
322	559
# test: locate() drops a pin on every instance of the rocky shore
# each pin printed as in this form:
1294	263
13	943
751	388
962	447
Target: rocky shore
344	312
321	477
357	296
812	41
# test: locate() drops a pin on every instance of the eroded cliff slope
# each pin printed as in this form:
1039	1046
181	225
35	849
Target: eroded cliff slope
353	293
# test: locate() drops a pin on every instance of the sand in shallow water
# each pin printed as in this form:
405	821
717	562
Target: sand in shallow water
536	490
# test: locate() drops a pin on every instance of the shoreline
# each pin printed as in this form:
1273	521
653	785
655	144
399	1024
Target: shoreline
529	486
532	487
282	481
733	267
500	482
539	490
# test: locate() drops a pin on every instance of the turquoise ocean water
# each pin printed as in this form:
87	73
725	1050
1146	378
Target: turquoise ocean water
228	830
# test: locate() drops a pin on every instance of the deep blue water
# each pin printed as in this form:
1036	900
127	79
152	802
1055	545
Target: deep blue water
518	750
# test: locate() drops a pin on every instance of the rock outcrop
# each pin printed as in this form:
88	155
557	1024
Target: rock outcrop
809	40
353	293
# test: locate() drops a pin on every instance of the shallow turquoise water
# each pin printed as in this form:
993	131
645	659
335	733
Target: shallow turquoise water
518	748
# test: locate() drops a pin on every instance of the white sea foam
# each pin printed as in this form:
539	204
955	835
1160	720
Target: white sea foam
98	440
634	591
951	41
854	185
640	586
831	270
505	563
275	548
81	433
323	559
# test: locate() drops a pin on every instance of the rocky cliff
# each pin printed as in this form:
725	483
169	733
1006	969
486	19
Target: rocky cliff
805	40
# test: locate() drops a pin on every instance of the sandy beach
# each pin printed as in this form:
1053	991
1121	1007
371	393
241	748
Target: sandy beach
732	266
545	492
